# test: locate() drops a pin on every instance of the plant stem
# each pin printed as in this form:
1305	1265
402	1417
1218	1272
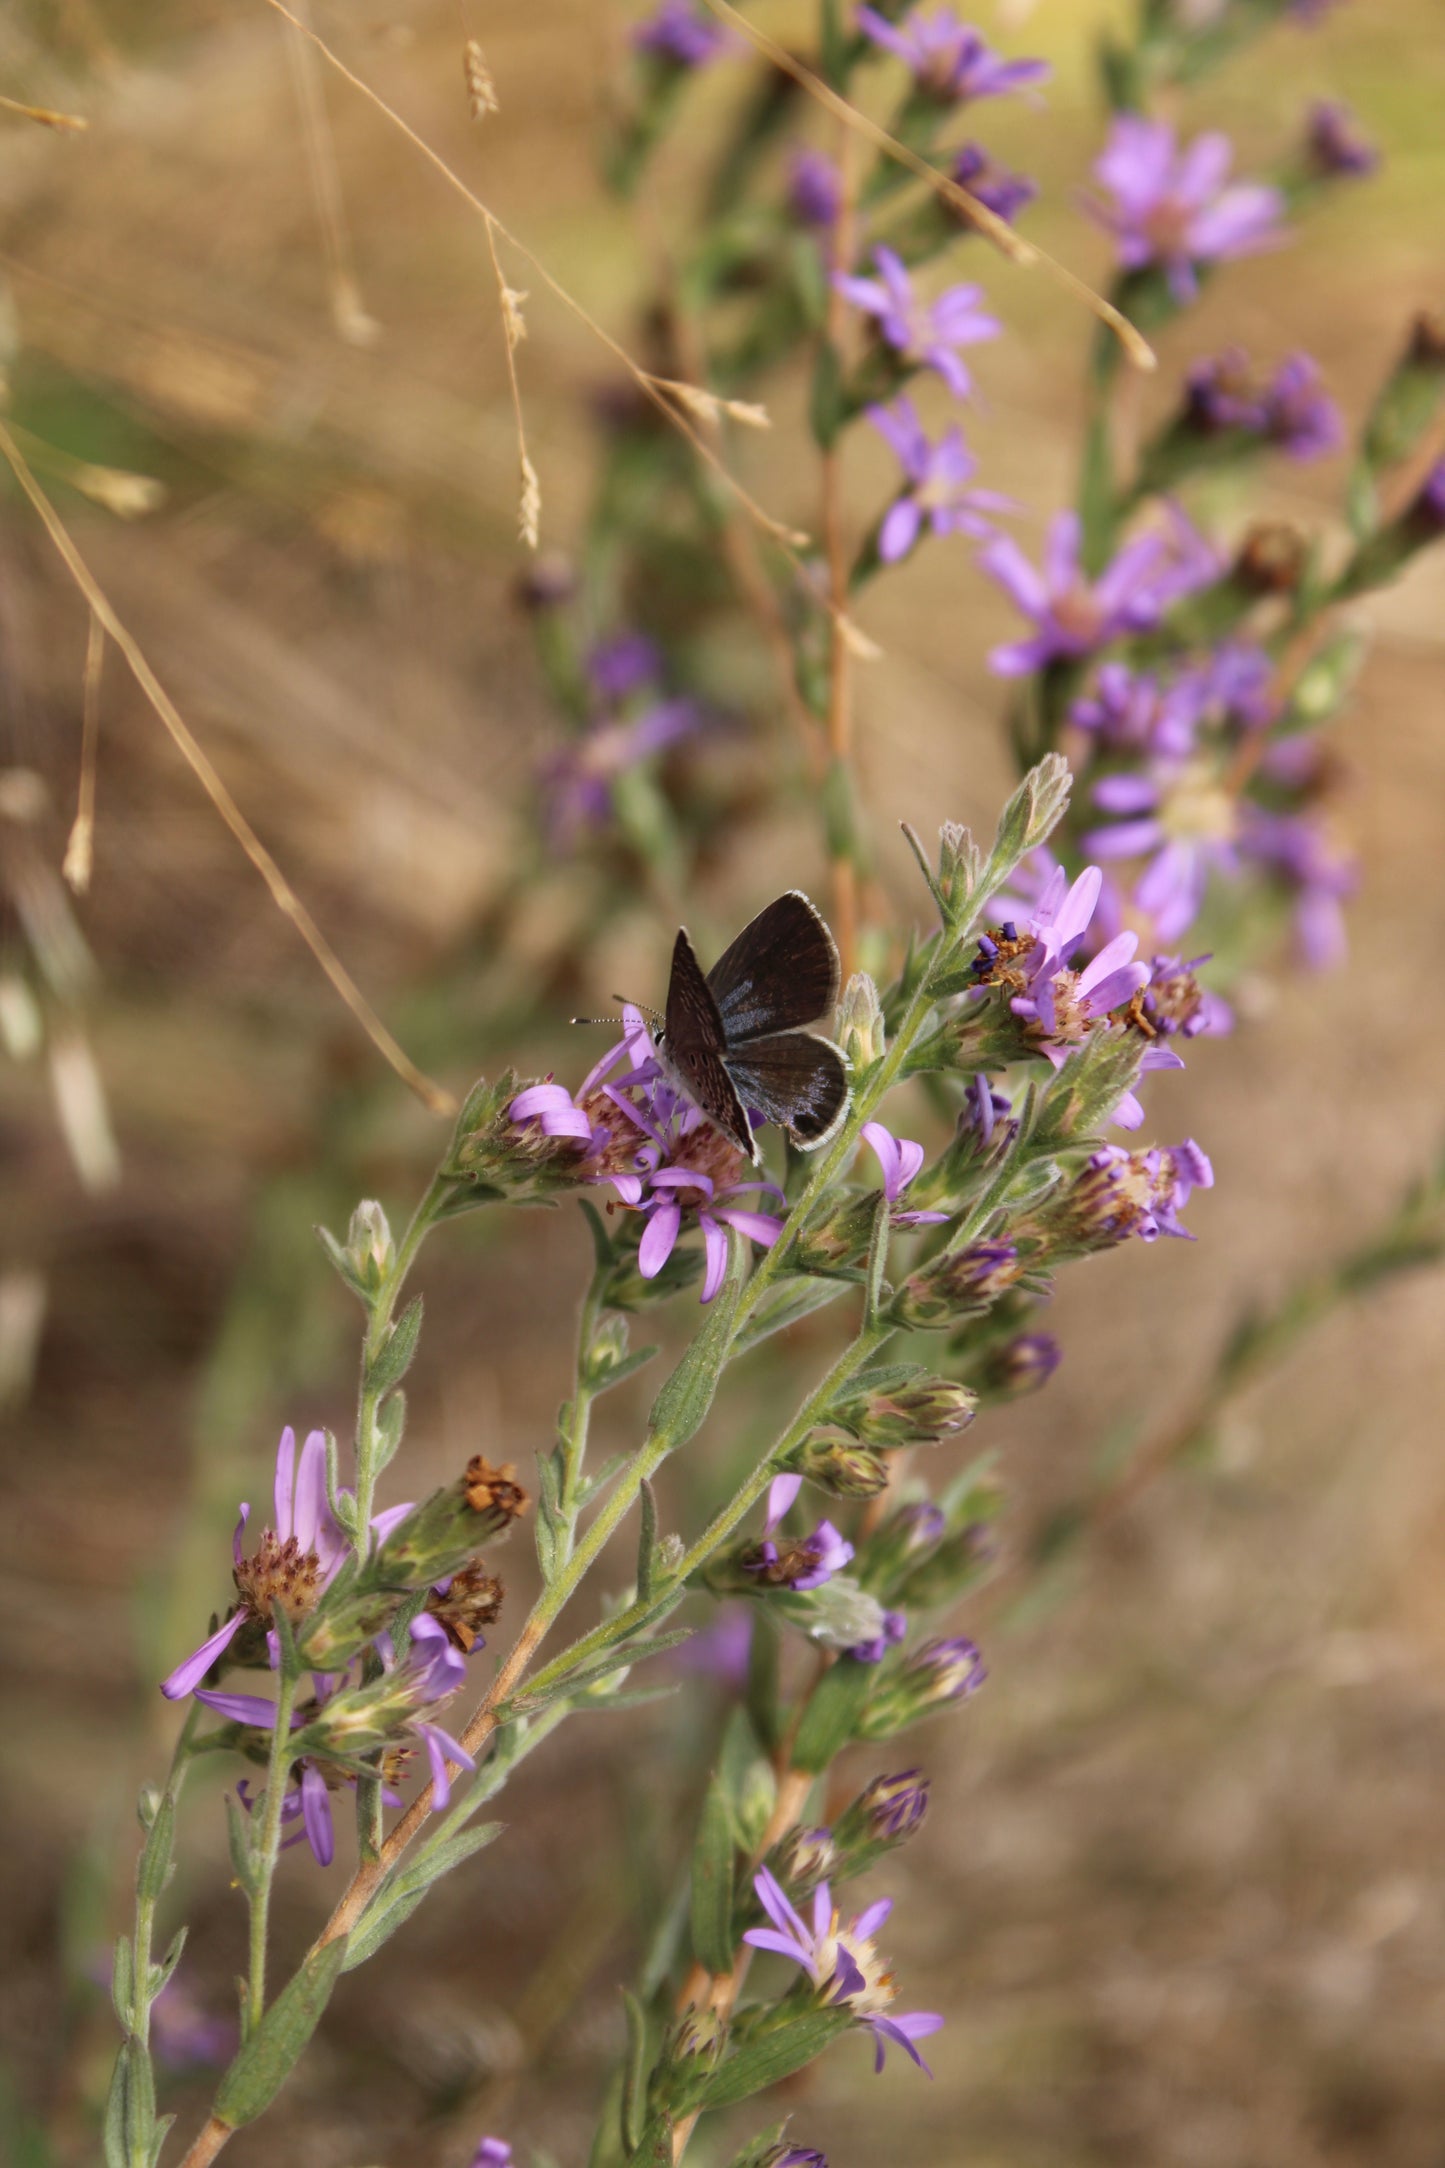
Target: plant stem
574	1443
268	1849
840	801
368	1436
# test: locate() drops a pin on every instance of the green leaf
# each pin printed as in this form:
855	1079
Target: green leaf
266	2061
602	1245
680	1409
129	2130
766	2061
646	1541
831	1717
786	1303
551	1524
875	1287
390	1424
238	1835
389	1365
122	1981
713	1860
400	1894
636	2071
161	1973
153	1869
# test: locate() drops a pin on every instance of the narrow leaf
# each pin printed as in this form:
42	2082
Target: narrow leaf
153	1867
680	1409
392	1360
831	1716
713	1860
636	2071
266	2061
775	2056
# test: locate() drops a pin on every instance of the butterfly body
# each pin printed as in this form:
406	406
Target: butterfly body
737	1038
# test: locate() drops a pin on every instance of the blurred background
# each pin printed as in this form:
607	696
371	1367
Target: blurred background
1180	1892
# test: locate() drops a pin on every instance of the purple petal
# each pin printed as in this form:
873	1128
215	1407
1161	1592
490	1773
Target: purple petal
899	531
1005	562
658	1239
187	1676
1126	794
868	1923
316	1814
309	1508
241	1708
773	1899
782	1492
763	1227
285	1475
715	1251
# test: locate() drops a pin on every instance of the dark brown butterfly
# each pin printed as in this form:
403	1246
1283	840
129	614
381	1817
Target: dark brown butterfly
736	1040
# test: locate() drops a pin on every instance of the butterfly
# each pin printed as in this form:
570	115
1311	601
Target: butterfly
735	1039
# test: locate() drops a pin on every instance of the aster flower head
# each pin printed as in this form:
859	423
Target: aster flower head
1058	1004
843	1963
1335	144
681	33
1074	615
621	664
1119	1194
997	189
1136	711
798	1564
949	60
1175	208
293	1561
1180	816
492	2153
925	334
937	484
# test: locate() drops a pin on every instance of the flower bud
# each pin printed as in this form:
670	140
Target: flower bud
369	1247
860	1027
939	1672
699	2034
959	1563
960	867
837	1243
804	1859
957	1285
341	1628
1019	1366
840	1467
890	1809
908	1411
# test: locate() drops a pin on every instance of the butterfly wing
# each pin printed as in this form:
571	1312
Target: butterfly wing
780	972
795	1078
693	1043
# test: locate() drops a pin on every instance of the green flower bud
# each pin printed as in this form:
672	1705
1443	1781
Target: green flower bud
957	1285
908	1410
836	1245
860	1028
938	1673
840	1467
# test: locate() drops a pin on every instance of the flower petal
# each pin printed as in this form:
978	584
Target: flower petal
187	1676
658	1239
316	1814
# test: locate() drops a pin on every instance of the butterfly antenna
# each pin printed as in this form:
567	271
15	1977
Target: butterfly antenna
595	1020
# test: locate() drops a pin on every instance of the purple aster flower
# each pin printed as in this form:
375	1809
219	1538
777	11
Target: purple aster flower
842	1962
1174	208
679	32
1124	1193
802	1564
1181	817
998	190
937	478
292	1563
927	334
578	782
1174	1004
1135	711
949	59
1061	1004
721	1650
894	1630
900	1158
1334	142
1074	615
1298	850
801	2156
815	188
492	2153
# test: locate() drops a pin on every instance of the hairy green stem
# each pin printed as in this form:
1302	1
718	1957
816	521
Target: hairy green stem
368	1435
268	1846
